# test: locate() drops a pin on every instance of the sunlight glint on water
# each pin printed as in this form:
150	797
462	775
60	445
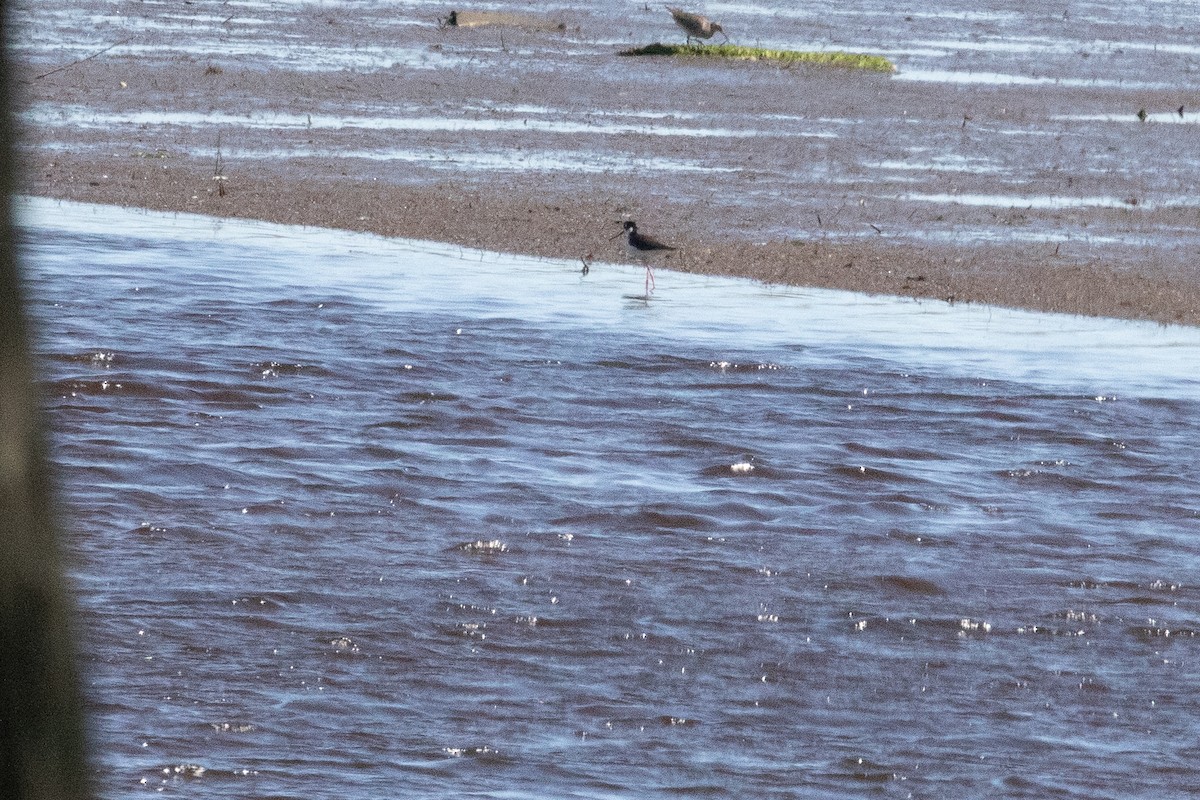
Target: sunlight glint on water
362	518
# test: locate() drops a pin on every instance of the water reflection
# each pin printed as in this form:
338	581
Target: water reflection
481	524
1048	201
1061	350
965	76
601	124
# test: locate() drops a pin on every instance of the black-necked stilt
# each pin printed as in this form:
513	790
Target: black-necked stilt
696	26
643	248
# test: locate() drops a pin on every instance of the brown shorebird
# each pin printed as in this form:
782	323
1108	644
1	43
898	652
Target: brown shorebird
696	26
643	247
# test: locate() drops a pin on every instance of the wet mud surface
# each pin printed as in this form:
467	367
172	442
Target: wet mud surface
1042	159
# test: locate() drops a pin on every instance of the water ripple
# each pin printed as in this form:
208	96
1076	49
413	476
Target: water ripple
468	542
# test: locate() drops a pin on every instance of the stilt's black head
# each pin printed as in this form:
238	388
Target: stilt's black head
627	226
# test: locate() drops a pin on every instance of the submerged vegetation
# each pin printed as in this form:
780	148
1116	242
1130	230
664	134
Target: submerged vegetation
739	53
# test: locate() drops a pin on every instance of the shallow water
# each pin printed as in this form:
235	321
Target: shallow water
364	518
1074	42
1061	101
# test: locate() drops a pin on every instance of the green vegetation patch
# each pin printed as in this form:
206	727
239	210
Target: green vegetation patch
739	53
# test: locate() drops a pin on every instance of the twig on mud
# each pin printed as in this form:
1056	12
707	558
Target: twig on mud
79	61
218	167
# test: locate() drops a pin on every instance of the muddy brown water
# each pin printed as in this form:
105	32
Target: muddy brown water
363	518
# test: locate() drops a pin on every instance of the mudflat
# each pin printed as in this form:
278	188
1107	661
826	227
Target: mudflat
1041	162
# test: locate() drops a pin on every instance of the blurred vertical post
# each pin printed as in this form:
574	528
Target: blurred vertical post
41	721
